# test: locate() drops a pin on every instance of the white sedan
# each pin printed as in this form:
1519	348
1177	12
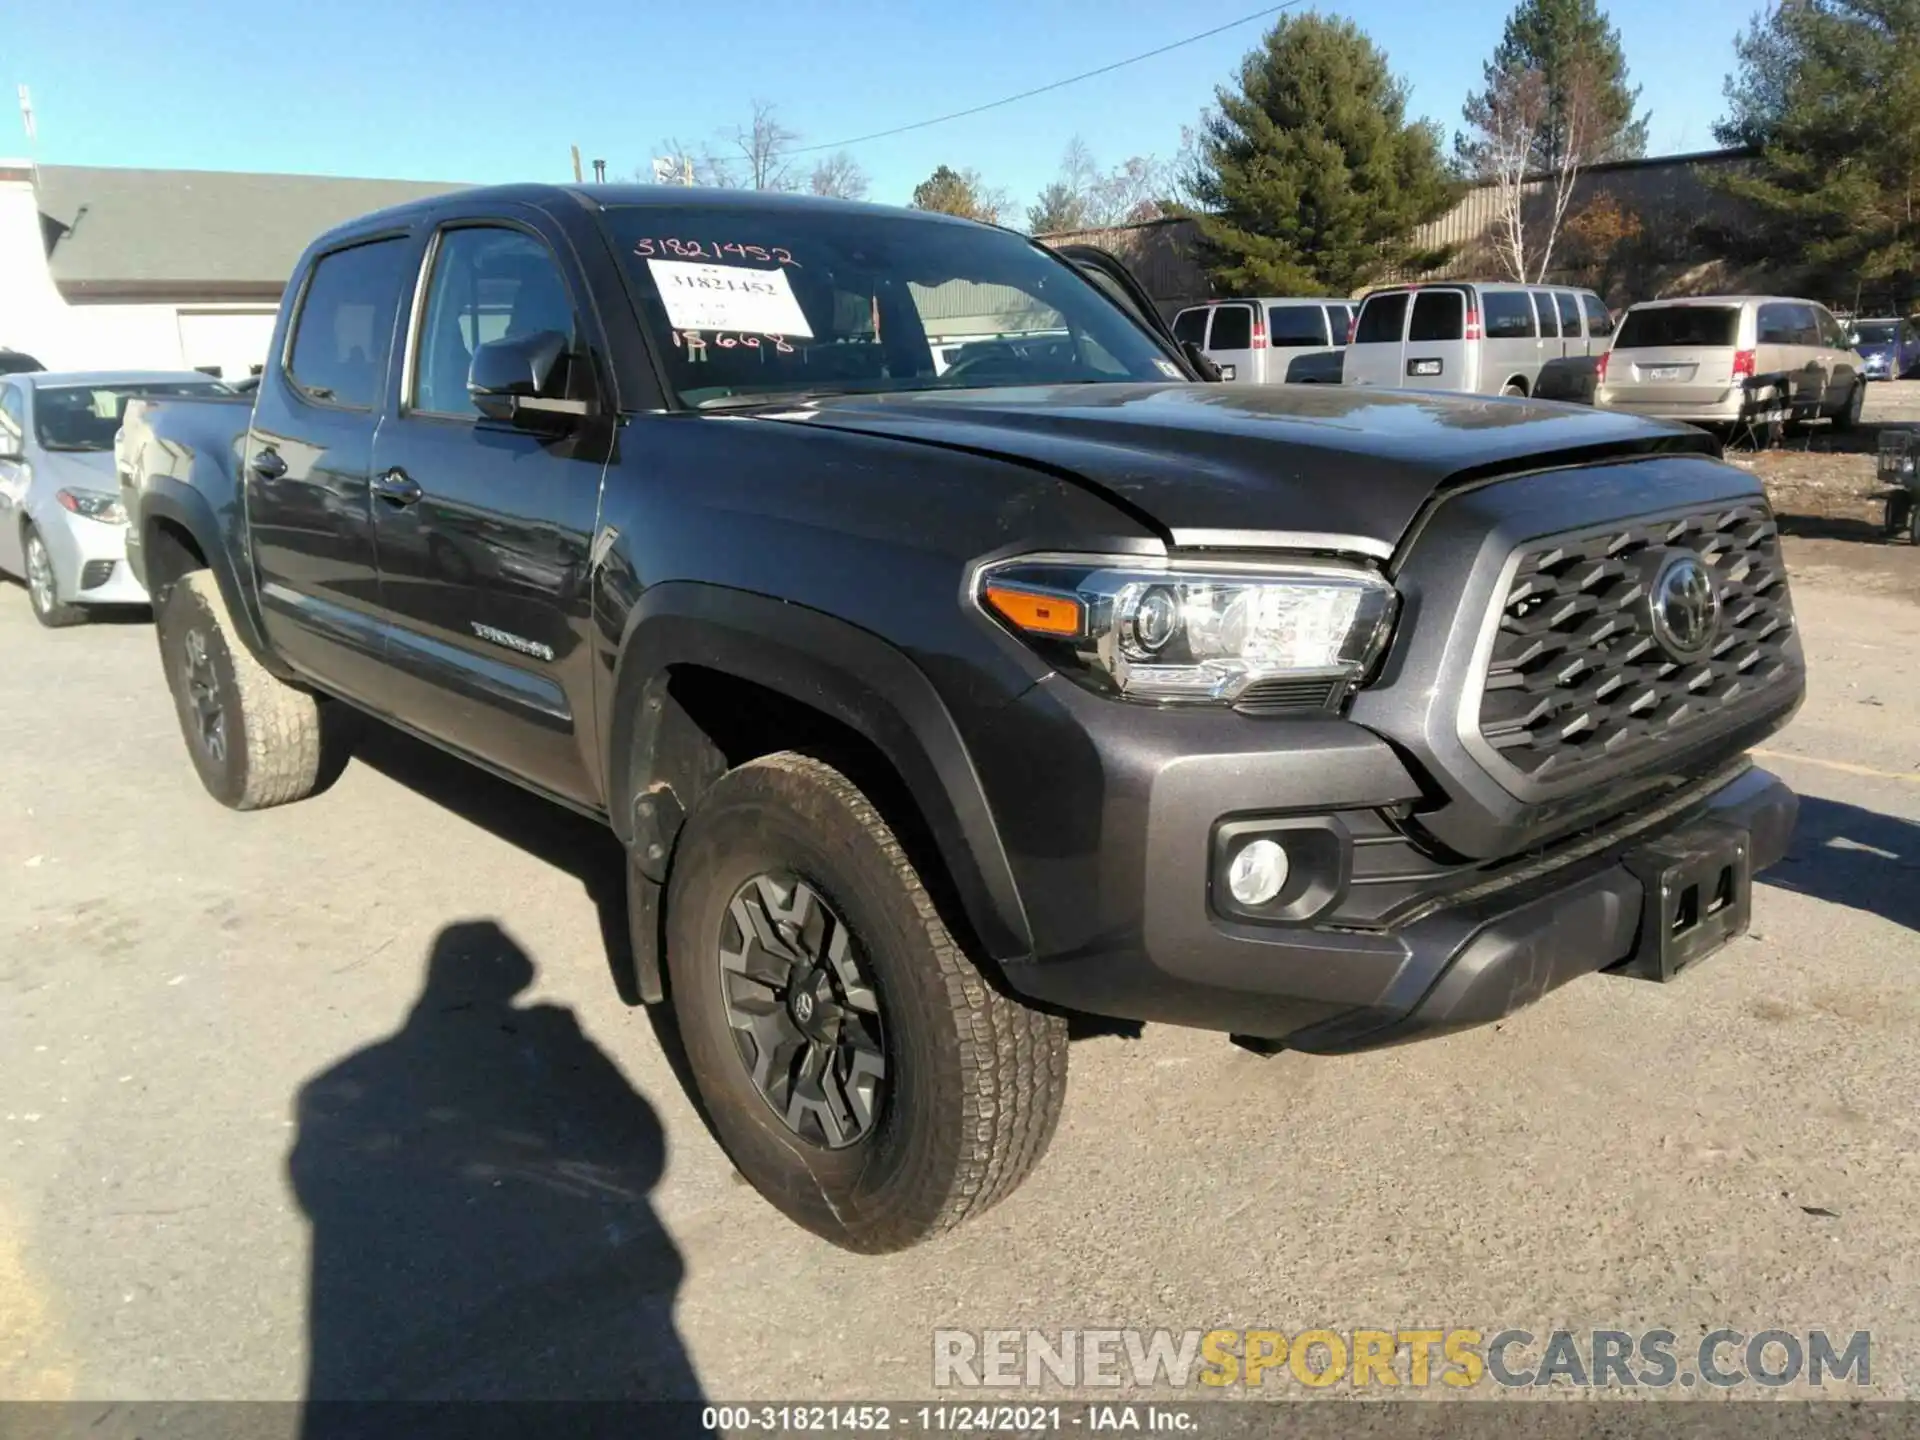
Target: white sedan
62	528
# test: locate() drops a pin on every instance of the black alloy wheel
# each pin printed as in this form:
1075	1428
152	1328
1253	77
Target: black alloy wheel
201	683
805	1015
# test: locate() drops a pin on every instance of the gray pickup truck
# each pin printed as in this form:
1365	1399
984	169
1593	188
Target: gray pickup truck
936	702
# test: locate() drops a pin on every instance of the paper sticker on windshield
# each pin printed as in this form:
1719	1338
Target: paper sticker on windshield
728	297
1169	369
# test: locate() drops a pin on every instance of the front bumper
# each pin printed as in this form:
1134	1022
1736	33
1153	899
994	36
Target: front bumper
1109	814
90	561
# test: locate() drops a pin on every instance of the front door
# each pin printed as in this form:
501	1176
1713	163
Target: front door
306	468
484	527
13	477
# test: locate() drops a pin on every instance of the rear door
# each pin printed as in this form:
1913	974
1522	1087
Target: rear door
1573	339
1230	342
1437	352
1378	350
1678	356
1788	344
484	527
1511	350
308	466
1298	340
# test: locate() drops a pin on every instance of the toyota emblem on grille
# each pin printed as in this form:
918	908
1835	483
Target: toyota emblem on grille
1686	607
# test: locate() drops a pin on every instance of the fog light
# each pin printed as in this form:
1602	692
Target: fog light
1258	872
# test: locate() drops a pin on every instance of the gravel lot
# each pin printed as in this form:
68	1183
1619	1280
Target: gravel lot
1741	1148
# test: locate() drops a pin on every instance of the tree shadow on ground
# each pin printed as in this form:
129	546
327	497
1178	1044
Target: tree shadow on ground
1853	857
478	1188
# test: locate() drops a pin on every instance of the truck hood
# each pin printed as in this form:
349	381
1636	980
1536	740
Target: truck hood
1248	467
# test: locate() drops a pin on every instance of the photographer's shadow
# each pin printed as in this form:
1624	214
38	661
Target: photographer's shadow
477	1183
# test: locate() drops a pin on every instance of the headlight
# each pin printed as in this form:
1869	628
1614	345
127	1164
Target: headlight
1180	633
94	504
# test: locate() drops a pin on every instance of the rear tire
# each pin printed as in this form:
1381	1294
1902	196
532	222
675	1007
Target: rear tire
43	585
1848	416
1515	390
255	740
973	1080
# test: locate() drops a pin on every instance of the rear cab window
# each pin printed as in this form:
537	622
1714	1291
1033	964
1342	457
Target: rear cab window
1383	319
344	331
1438	315
1507	315
1232	328
1682	326
1291	327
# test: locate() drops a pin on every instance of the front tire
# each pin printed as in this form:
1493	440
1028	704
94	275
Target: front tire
790	899
43	586
255	740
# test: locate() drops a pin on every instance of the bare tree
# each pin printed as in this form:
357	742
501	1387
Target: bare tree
840	176
1085	196
765	150
1510	122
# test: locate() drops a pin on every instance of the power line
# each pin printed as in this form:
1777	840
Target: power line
1056	85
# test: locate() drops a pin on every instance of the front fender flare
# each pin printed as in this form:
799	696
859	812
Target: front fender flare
847	673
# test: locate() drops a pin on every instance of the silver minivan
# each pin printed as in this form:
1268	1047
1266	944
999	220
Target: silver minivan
1479	337
1727	359
1270	340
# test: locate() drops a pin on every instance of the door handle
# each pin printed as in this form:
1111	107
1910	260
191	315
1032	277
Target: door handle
268	465
397	488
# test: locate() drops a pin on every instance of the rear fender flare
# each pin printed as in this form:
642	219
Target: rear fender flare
848	674
186	508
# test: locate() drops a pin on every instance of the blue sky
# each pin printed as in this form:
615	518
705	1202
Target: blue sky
427	89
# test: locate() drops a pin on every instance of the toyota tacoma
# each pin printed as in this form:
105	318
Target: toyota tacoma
951	659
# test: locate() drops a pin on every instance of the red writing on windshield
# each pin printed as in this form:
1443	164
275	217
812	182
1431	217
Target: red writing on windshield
679	249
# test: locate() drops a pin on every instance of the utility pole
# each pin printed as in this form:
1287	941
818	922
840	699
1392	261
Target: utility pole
576	164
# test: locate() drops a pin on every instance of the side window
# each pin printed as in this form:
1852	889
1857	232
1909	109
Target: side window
488	283
1232	328
1340	323
1383	319
1294	327
1831	334
1777	325
345	327
1599	319
1190	326
1569	314
13	420
1508	313
1438	315
1549	316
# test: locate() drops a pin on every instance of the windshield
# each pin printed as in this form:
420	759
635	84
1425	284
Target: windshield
749	304
1876	332
86	417
1678	325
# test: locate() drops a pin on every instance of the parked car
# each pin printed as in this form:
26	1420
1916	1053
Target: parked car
1720	360
932	708
1270	340
1478	337
62	527
1889	346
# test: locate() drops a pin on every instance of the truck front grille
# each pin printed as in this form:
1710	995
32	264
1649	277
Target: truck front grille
1577	677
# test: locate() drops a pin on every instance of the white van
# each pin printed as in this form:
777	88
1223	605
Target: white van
1479	337
1270	340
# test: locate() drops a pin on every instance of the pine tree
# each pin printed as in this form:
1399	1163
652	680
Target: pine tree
1830	92
1583	71
1309	177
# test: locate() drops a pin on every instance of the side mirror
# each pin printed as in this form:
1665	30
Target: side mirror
1200	361
508	376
